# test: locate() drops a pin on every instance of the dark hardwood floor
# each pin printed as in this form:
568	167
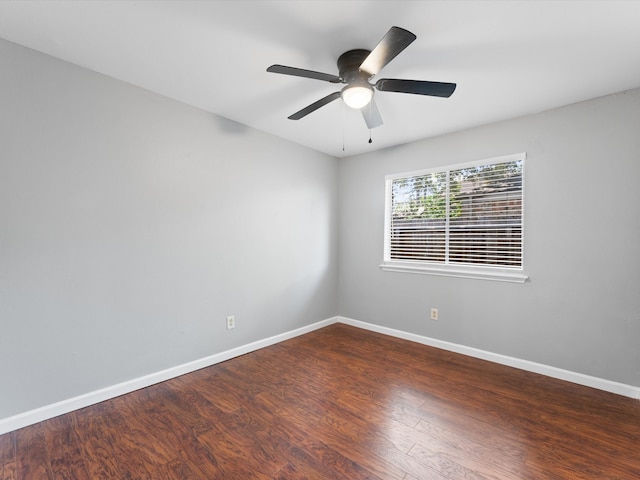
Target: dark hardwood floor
340	403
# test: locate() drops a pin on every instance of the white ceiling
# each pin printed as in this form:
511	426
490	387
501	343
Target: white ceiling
509	58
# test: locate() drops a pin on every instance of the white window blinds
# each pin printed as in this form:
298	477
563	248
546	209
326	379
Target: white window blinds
462	215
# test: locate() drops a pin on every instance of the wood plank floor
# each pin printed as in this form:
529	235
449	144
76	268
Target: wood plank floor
340	403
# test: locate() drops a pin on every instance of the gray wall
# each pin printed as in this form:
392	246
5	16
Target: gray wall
580	310
132	225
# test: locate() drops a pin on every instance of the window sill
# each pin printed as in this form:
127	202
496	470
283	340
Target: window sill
497	275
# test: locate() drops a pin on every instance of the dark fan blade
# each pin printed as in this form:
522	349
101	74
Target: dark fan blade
395	41
300	72
371	115
315	106
419	87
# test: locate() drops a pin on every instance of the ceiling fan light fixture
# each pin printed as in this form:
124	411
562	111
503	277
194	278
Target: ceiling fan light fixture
356	68
357	96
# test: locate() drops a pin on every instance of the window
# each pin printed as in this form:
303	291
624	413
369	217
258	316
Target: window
462	220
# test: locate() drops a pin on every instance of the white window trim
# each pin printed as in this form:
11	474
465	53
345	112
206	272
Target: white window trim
480	273
512	275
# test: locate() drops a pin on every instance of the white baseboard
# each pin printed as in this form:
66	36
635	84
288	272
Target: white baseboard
567	375
65	406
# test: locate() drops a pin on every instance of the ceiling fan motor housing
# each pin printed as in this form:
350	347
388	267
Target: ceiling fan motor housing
349	66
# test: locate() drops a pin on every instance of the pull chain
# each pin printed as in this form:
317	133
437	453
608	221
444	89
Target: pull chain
344	119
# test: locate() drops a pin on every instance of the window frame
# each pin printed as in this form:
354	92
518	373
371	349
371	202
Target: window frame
482	272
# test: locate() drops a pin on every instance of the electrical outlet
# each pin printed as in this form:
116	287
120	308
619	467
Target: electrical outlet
434	314
231	322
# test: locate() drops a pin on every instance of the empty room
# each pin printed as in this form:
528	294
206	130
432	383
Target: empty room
389	240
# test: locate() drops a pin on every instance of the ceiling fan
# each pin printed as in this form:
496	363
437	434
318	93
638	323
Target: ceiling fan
357	67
